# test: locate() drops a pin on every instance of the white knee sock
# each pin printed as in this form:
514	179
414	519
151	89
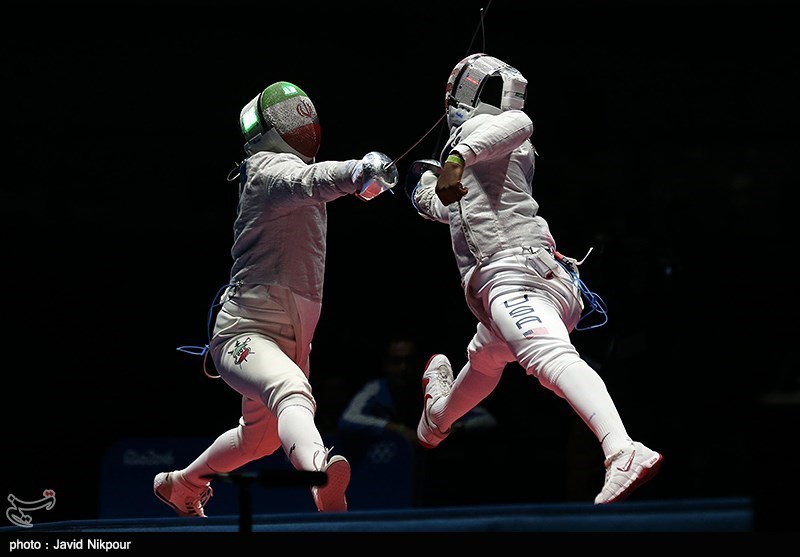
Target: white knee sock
469	389
300	438
586	393
225	455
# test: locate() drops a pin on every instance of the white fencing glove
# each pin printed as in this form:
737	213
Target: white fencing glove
374	174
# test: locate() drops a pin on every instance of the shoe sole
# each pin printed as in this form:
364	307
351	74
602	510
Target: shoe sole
645	475
332	496
421	438
170	504
163	499
157	485
422	441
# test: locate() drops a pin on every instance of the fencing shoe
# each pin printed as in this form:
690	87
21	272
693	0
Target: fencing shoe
183	497
331	496
436	382
626	470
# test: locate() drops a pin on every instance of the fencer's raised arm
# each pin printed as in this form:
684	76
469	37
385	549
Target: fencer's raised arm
449	188
488	137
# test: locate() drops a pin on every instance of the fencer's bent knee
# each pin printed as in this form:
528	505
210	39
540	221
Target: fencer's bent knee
297	399
489	359
549	376
255	442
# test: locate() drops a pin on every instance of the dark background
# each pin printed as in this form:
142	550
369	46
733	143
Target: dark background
667	135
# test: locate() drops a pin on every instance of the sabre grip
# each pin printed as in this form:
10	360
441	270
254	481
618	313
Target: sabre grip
416	171
373	175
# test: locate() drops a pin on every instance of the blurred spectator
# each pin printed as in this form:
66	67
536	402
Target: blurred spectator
391	401
379	424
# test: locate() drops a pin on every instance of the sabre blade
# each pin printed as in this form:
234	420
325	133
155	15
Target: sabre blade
407	151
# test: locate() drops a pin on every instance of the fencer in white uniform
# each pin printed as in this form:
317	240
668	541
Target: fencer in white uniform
267	315
526	297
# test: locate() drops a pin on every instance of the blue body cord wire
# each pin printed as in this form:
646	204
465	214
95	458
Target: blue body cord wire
593	301
202	350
